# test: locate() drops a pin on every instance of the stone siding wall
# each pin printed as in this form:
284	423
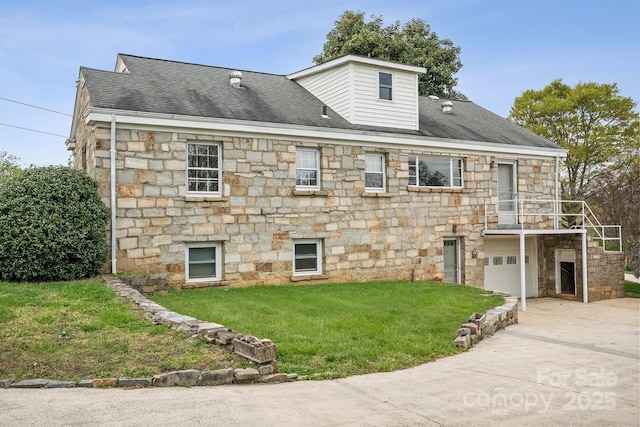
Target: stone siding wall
366	236
605	270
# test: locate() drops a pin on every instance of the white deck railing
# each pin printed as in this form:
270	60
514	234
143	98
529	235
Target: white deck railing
548	214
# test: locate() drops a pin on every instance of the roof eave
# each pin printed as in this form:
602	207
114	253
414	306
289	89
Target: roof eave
301	132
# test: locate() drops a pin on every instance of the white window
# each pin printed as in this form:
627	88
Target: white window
307	169
511	260
385	86
374	176
203	261
435	172
203	168
497	260
307	257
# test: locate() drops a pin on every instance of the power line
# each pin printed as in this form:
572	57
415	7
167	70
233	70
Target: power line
35	106
33	130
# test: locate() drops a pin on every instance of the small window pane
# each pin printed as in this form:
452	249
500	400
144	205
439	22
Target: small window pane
202	271
497	260
385	82
307	168
202	254
203	172
374	174
306	257
511	260
202	262
486	260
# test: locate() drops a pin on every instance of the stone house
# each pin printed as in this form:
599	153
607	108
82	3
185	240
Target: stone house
339	172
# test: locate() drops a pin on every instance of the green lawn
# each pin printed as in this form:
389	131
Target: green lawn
336	330
632	289
83	330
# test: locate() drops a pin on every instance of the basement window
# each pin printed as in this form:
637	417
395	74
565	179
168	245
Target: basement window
203	261
307	257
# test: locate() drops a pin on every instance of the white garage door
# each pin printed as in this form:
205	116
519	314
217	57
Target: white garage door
502	265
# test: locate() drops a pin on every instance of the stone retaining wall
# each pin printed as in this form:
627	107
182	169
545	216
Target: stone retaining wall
481	325
475	330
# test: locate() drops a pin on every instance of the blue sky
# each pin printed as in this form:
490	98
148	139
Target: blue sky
508	46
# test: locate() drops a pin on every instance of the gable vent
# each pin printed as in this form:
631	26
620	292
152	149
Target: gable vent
235	78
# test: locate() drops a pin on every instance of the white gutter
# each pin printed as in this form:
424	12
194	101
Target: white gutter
300	133
113	195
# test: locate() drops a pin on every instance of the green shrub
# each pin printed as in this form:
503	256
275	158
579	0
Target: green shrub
52	226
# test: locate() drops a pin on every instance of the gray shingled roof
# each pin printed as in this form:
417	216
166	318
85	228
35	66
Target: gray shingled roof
169	87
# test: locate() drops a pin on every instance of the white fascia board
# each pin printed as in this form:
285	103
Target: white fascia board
226	127
359	59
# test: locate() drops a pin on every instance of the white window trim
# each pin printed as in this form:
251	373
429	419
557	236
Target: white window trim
451	169
384	174
220	185
318	270
318	169
218	272
392	87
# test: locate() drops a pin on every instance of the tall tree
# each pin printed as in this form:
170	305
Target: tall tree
8	165
616	199
597	126
412	43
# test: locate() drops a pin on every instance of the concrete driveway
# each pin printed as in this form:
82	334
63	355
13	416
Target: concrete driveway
565	363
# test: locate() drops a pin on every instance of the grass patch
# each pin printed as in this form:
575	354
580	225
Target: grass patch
83	330
631	289
336	330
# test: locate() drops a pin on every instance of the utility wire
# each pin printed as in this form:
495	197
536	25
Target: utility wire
34	106
34	130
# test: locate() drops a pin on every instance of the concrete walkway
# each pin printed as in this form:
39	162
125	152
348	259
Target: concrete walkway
631	278
565	363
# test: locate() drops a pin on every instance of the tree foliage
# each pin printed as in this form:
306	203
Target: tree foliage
52	226
412	43
616	199
597	126
8	165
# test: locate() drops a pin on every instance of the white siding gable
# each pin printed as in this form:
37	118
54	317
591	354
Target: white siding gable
349	85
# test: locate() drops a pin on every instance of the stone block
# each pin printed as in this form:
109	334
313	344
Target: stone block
134	382
260	353
463	341
274	378
35	383
184	378
246	375
104	382
473	328
134	163
217	377
6	382
85	383
60	384
464	331
478	319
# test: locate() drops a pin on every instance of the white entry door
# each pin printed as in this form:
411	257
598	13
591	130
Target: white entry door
506	193
451	254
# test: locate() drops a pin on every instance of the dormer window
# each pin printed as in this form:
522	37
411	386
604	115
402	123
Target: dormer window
385	86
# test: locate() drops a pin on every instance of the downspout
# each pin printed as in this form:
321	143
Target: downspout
585	283
556	205
113	195
523	279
